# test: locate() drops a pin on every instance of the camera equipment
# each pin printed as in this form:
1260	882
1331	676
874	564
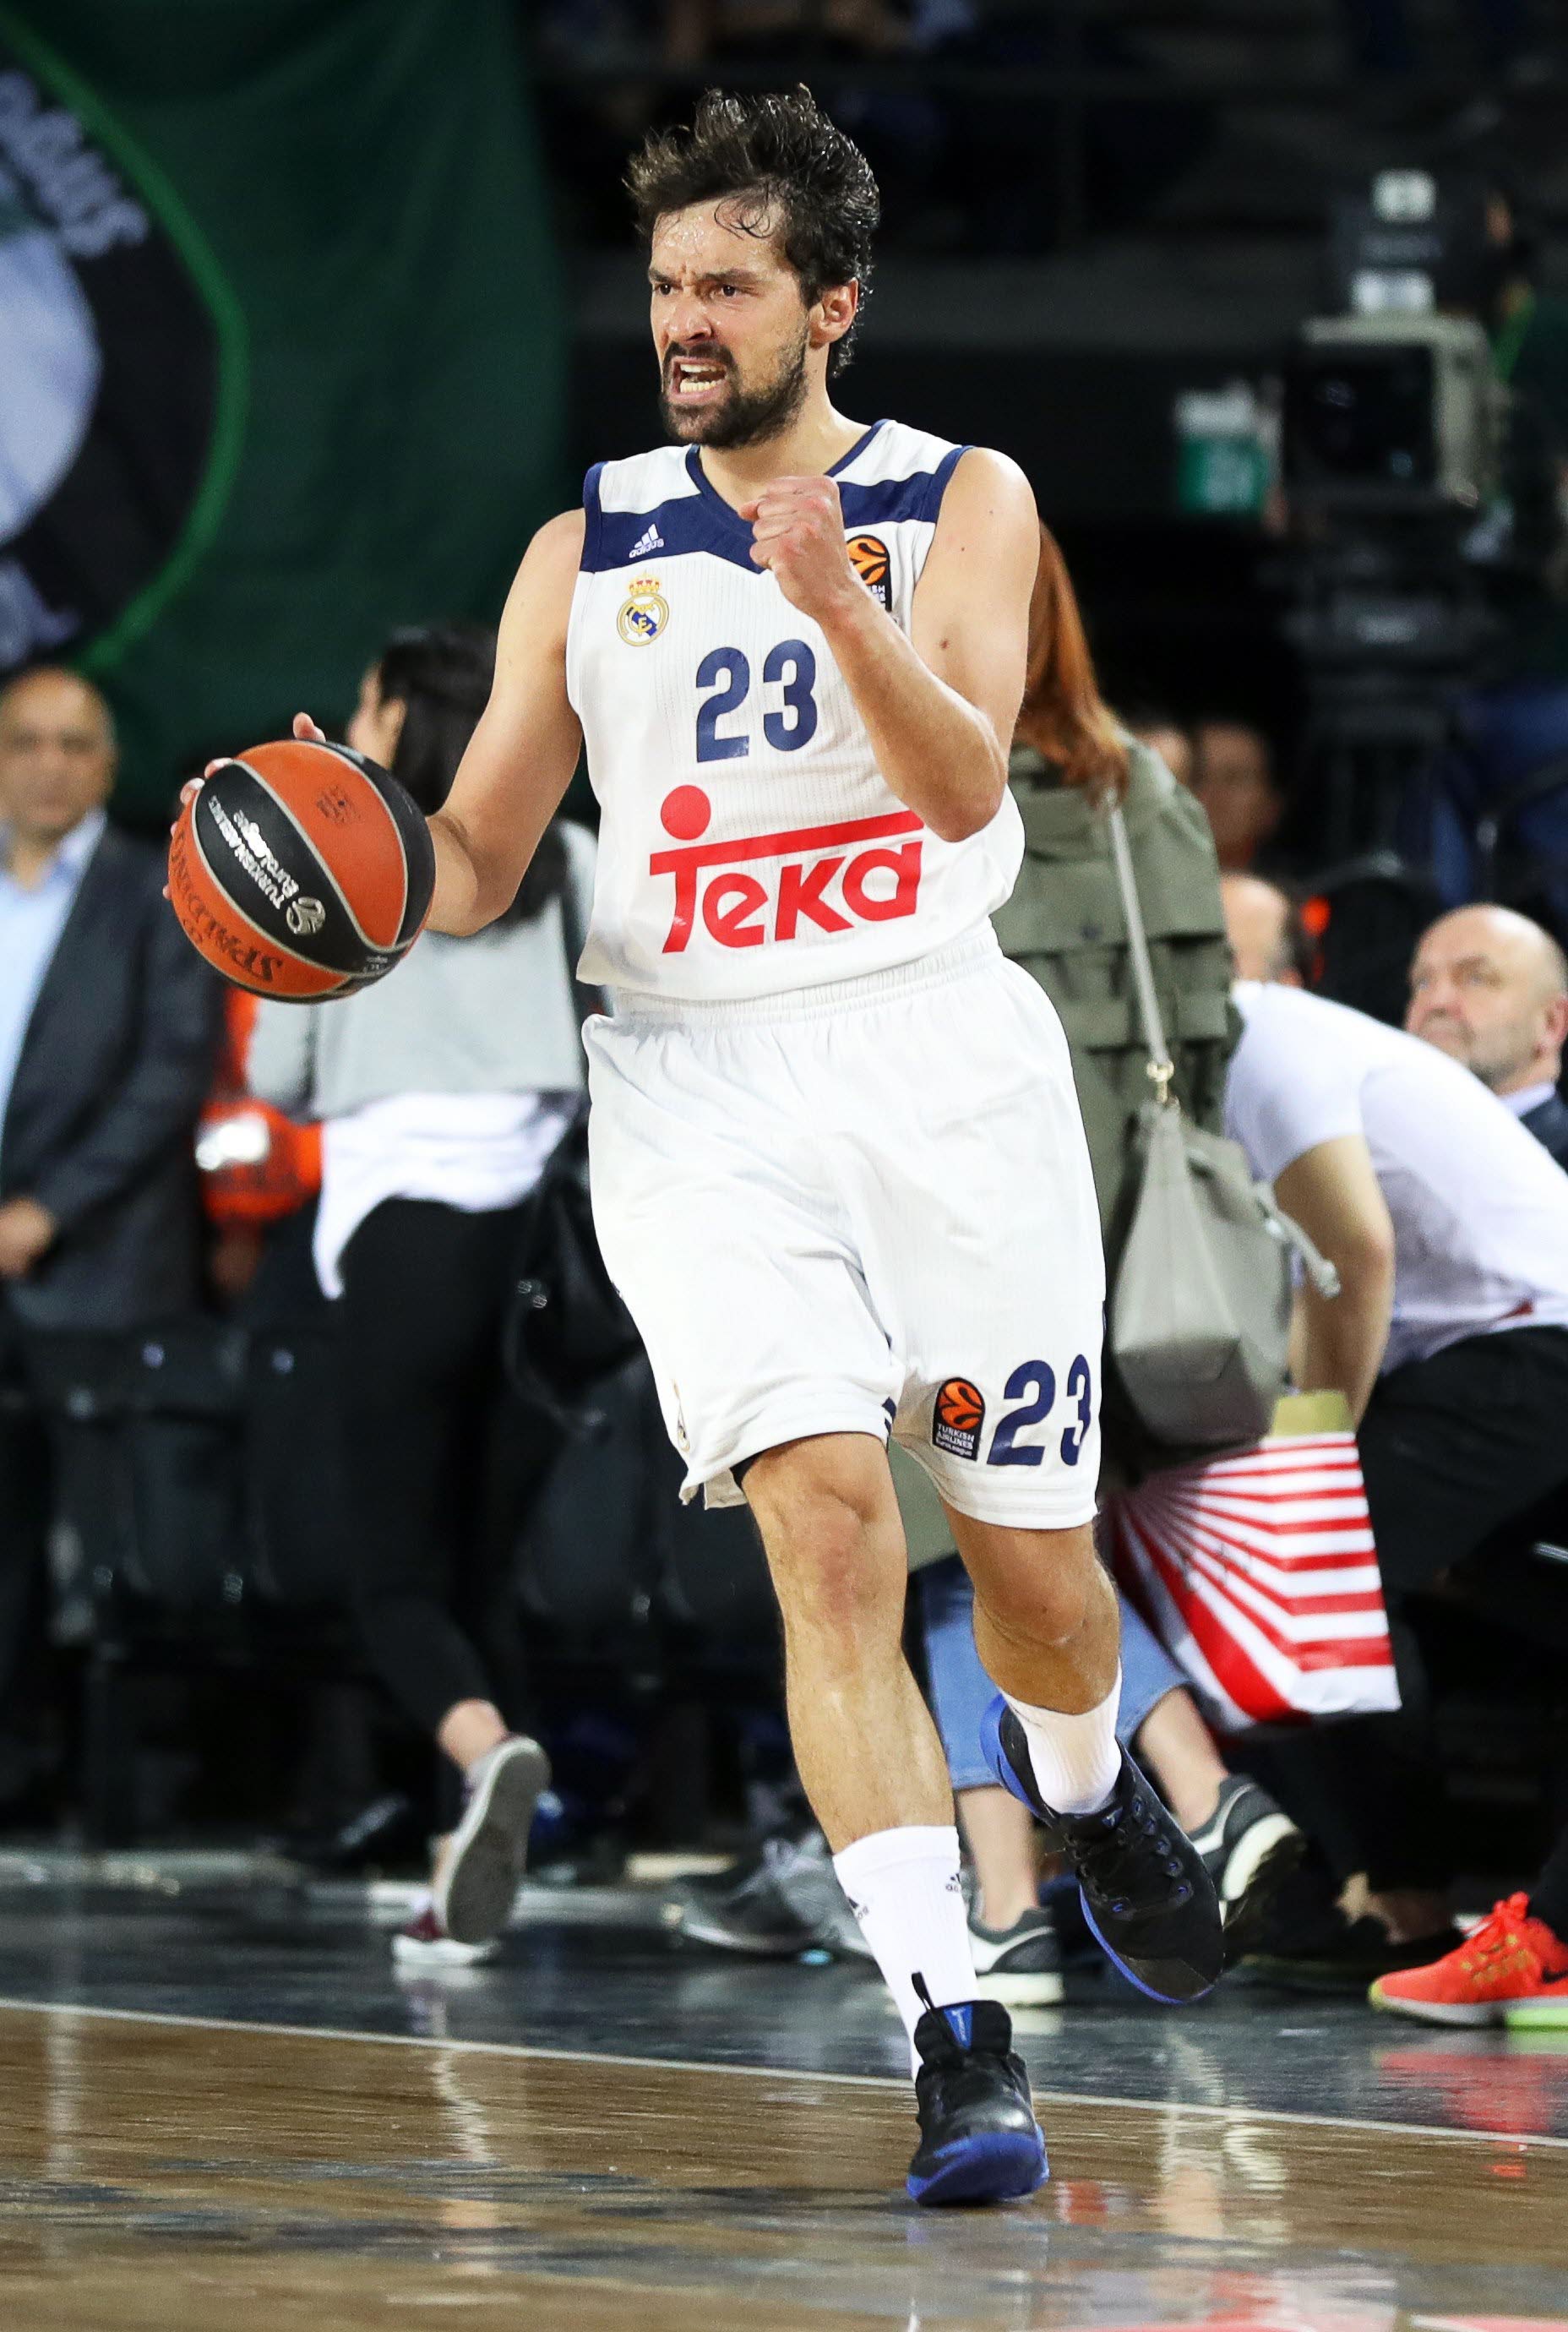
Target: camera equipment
1393	432
1391	416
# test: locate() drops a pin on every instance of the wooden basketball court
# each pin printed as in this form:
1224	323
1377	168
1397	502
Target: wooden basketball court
161	2174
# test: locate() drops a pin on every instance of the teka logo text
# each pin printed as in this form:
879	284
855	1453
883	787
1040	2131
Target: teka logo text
773	886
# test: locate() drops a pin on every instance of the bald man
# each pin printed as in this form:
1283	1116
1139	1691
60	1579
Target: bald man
108	1023
1491	988
1261	925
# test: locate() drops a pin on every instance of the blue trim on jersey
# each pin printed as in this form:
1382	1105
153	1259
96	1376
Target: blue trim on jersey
592	514
891	499
705	521
689	522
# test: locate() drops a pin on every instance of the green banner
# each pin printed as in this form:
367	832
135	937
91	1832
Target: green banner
283	348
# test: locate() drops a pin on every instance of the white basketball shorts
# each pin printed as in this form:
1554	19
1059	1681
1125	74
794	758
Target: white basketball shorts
862	1207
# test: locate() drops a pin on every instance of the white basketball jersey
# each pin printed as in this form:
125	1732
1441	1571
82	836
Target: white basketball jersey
748	842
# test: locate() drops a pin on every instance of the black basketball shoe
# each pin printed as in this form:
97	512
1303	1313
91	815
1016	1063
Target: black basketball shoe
978	2139
1147	1896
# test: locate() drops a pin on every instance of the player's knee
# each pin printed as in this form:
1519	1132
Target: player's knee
1050	1607
824	1547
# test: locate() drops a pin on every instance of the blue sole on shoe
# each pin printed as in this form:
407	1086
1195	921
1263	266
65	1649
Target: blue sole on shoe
996	2166
1166	1999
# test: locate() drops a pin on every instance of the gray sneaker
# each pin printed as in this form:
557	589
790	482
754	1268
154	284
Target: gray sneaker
781	1901
474	1896
1249	1846
1020	1966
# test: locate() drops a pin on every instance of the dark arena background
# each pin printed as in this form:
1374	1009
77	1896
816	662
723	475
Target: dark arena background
311	312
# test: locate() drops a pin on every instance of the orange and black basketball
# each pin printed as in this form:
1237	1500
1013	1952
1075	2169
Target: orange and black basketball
301	871
961	1405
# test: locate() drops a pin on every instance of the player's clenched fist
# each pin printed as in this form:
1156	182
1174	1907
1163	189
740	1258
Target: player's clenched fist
798	524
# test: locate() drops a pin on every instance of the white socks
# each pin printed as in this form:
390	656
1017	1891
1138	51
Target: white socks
1075	1759
903	1888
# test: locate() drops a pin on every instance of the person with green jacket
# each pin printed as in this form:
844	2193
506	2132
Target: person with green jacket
1072	760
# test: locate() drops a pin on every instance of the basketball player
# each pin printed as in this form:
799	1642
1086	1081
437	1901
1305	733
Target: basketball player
838	1170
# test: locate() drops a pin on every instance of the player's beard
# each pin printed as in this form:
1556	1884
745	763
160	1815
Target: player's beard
747	417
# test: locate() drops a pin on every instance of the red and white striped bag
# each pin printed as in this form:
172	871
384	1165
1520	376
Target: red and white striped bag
1258	1573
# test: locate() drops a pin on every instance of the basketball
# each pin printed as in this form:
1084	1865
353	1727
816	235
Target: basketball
301	871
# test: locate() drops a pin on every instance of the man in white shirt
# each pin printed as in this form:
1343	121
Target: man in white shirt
1449	1225
1491	988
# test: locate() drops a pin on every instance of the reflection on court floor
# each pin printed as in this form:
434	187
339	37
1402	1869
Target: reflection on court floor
222	2113
231	2176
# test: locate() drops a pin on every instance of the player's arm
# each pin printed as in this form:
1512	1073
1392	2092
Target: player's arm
519	759
1333	1191
939	706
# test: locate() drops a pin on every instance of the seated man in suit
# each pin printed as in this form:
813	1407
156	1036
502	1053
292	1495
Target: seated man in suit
1491	988
108	1026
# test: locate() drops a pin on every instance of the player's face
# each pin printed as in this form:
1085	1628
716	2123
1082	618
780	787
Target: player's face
730	329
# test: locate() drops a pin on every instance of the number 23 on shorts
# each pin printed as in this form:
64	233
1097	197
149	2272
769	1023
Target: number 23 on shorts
958	1419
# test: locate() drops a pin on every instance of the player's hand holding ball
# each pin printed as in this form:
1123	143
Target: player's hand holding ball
798	526
301	869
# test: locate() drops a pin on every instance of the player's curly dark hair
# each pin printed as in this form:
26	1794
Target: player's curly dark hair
793	175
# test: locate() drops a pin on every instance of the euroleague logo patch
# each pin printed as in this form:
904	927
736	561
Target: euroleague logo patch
868	556
958	1419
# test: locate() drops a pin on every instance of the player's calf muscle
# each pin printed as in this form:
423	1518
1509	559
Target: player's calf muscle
1049	1640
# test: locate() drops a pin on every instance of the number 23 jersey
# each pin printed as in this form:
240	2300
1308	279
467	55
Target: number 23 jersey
749	843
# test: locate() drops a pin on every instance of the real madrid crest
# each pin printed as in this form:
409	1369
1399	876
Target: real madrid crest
643	614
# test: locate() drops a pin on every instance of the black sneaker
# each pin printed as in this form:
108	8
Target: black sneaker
1249	1846
1308	1943
1147	1895
1349	1960
978	2139
1020	1966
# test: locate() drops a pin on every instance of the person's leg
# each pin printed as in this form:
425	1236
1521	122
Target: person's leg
1001	1834
866	1748
1177	1747
413	1310
1451	1448
1160	1720
25	1504
1046	1628
419	1334
871	1764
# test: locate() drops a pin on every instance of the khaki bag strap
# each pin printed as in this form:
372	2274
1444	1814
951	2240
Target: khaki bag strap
1161	1068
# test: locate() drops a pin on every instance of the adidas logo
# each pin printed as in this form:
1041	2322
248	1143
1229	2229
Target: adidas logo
651	541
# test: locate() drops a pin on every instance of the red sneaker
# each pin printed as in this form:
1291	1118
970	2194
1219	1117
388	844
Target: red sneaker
1508	1959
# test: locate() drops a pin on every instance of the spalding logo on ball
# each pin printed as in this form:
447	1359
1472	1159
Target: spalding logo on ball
301	871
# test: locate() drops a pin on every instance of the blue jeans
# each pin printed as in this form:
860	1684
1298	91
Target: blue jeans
961	1690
